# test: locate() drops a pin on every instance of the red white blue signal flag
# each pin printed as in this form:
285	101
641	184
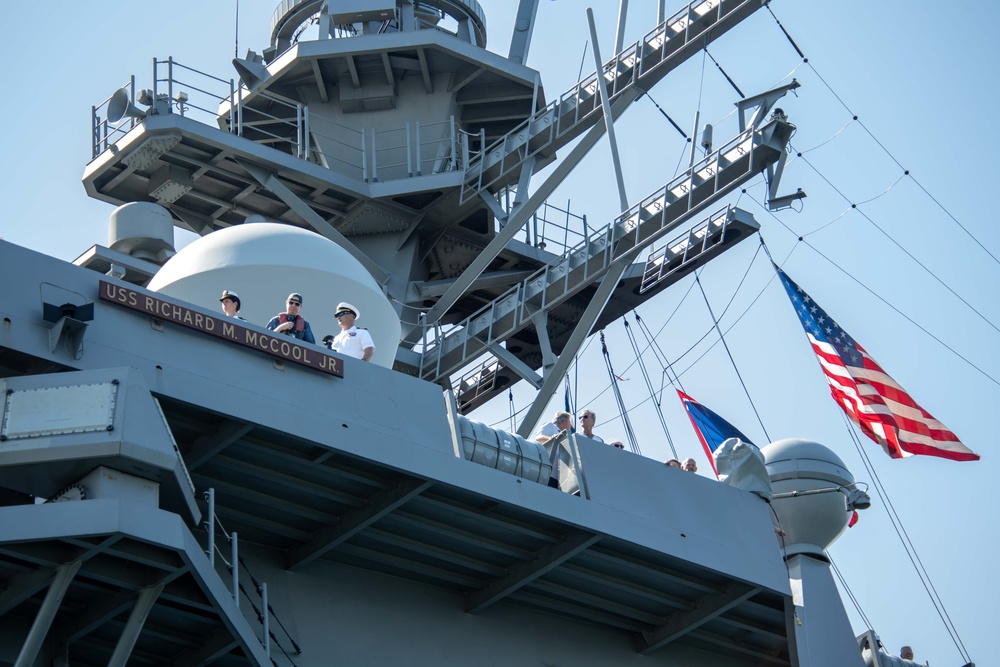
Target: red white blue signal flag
712	429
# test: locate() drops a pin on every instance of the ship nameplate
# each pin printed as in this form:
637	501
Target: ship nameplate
81	408
227	328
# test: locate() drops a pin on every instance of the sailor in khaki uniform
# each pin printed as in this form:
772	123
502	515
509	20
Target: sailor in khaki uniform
352	341
230	301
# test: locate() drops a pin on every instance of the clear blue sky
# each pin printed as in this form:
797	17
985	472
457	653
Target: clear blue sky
918	76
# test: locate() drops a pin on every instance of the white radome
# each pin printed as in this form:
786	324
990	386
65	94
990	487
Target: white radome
812	521
265	262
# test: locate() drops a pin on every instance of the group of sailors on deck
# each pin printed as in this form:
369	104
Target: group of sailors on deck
563	421
351	341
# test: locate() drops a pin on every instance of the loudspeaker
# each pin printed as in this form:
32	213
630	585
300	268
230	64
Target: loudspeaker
119	106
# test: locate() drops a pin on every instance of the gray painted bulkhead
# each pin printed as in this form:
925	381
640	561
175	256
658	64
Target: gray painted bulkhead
350	610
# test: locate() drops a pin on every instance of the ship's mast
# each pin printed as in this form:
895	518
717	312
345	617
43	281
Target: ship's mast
398	136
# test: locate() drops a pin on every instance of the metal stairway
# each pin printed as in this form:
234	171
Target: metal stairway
655	216
629	73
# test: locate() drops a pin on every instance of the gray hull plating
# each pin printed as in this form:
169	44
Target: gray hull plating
378	543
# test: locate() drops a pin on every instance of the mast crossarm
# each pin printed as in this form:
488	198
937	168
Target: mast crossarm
628	74
635	230
315	220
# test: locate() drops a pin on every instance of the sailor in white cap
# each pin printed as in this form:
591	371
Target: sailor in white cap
352	341
231	304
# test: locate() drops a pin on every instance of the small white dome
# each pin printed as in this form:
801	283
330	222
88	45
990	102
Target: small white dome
812	521
265	262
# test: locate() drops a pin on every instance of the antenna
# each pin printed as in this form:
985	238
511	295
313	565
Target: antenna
236	46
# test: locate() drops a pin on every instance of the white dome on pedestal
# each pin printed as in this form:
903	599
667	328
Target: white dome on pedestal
264	263
809	483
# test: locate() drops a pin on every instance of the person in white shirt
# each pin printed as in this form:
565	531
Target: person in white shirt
561	422
352	341
587	420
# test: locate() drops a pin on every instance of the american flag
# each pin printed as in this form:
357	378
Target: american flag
880	407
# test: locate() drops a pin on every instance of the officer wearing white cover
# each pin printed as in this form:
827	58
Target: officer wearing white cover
352	341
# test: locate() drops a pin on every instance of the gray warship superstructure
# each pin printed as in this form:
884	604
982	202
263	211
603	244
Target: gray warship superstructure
181	488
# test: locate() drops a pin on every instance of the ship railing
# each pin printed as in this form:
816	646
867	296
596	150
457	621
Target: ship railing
370	155
104	133
336	147
550	228
414	149
232	567
512	310
478	377
464	19
476	382
285	127
675	254
648	60
632	231
178	90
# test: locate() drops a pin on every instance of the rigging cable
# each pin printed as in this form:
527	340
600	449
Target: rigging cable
709	331
701	91
649	385
906	171
850	593
883	300
576	380
583	59
908	545
669	119
623	412
569	403
825	141
731	82
738	319
906	317
731	360
669	318
787	36
651	339
500	422
851	208
898	245
668	369
697	115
